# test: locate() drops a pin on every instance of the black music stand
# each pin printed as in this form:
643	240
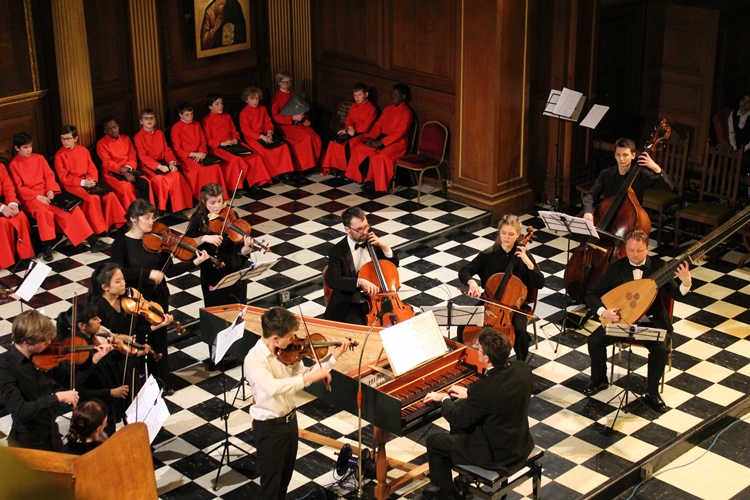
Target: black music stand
629	333
253	270
560	222
450	314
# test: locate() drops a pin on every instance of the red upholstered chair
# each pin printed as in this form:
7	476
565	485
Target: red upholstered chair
720	122
430	155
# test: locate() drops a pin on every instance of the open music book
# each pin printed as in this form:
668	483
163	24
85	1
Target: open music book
410	343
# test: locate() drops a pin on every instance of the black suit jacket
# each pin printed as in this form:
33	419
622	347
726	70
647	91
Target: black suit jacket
342	278
494	419
619	272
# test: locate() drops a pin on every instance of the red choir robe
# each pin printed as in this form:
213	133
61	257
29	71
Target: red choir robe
114	154
73	166
152	150
303	141
219	128
254	122
188	138
392	128
361	117
32	177
14	231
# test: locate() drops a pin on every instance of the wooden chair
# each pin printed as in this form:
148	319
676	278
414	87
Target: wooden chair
327	290
673	160
342	111
430	155
717	198
530	308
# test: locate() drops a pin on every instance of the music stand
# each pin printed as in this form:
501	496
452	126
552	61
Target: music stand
450	314
560	222
253	270
629	333
225	444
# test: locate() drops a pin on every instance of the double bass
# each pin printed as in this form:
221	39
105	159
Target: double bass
385	306
503	294
617	216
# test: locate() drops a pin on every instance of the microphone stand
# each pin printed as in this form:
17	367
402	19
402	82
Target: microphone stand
387	308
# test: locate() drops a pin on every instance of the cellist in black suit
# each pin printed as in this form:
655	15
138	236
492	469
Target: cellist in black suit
489	420
348	303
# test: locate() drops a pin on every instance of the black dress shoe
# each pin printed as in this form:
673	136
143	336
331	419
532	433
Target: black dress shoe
432	492
47	255
99	246
595	387
655	402
168	392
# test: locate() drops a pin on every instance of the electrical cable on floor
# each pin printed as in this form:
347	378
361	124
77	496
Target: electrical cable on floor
692	461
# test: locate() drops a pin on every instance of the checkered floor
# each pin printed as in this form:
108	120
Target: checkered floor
710	368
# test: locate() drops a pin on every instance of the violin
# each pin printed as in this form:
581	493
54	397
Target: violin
132	302
163	239
299	348
126	345
503	293
617	216
75	350
227	222
385	274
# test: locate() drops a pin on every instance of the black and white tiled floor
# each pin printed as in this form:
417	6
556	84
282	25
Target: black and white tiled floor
710	369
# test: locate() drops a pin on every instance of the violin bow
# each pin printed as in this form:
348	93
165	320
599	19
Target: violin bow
312	346
231	202
503	306
73	330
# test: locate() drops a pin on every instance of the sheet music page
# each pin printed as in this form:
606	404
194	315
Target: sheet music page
552	99
228	336
37	273
567	103
149	407
413	342
594	116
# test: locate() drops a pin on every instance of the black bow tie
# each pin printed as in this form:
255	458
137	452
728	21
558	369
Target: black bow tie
642	268
360	245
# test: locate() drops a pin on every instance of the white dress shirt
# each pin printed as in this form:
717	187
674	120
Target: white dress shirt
361	256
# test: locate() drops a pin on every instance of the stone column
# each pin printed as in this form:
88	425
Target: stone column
144	35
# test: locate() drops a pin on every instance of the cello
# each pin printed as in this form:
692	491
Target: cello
617	216
503	293
385	306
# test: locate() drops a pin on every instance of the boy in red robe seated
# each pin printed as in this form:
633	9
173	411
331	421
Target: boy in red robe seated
189	144
76	172
220	131
359	121
159	164
257	129
119	163
36	187
303	141
14	226
373	160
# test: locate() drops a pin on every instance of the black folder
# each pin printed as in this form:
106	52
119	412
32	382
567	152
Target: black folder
275	143
66	201
99	190
237	150
295	106
210	160
342	138
121	177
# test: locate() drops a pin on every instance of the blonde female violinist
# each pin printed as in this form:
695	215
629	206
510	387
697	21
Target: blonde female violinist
502	257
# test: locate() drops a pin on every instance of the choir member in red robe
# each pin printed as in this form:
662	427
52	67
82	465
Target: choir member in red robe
374	160
220	131
76	172
189	144
36	187
296	130
118	157
256	126
359	121
159	164
14	226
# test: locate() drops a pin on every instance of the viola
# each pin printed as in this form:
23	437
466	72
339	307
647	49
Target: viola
132	302
385	274
618	216
74	350
126	345
299	348
227	222
503	293
163	239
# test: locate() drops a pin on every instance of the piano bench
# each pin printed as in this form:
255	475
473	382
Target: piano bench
476	482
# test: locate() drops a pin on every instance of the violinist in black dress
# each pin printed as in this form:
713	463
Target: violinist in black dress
496	259
147	272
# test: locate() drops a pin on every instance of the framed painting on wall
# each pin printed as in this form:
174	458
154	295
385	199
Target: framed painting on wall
221	26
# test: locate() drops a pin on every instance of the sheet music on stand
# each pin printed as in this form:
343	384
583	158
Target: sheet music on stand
635	332
228	336
410	343
455	315
565	105
557	221
149	407
32	281
251	271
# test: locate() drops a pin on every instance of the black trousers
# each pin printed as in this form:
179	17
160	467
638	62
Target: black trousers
598	342
276	449
141	188
439	448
